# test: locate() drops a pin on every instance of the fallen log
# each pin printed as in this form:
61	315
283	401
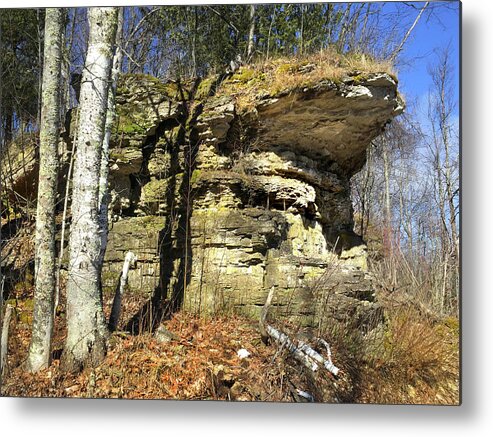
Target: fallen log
313	354
285	342
304	394
300	350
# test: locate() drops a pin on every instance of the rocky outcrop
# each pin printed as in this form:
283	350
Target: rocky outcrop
221	201
226	187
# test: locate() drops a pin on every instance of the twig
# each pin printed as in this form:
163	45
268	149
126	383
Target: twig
229	23
401	45
137	27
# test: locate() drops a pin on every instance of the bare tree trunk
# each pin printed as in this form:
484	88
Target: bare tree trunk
341	40
86	325
8	128
408	33
45	260
194	41
365	195
65	105
1	150
444	130
40	66
388	212
441	79
452	216
64	216
68	42
443	297
273	19
354	24
104	194
302	27
328	18
251	34
363	30
5	338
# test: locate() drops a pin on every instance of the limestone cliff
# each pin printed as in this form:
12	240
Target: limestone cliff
226	187
222	197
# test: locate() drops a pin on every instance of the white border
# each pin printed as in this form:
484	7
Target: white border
153	418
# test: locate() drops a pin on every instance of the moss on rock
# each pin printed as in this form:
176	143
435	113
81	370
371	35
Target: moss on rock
206	87
155	190
244	75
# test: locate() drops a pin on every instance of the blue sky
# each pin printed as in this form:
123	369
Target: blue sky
429	35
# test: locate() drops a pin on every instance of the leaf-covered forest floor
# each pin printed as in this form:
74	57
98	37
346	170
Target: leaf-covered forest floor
412	359
203	364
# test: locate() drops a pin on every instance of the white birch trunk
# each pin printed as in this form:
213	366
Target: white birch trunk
104	195
1	149
39	356
86	326
251	34
5	338
285	342
388	211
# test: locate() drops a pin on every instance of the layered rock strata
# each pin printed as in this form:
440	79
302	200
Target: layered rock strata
222	201
224	189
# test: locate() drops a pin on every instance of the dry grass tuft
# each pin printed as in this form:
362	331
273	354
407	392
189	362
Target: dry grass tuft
283	75
416	361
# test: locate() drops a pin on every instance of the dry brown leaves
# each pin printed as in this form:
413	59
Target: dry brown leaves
203	364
